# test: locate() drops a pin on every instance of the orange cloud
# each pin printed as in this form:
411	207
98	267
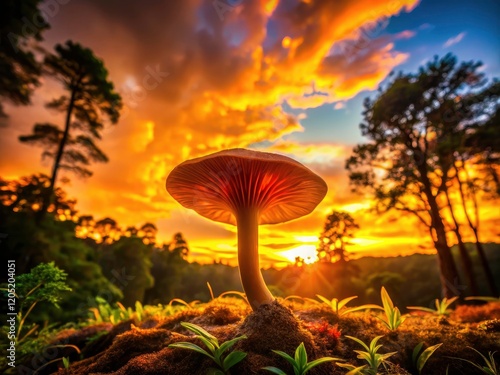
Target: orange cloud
194	83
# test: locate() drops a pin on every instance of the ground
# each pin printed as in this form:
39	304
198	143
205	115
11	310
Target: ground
141	347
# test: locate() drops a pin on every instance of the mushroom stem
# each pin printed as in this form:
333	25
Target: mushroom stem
248	258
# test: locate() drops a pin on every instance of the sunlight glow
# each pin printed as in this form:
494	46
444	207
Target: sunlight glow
356	207
307	239
307	252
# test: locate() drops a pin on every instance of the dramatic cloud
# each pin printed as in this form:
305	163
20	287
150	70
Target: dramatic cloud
200	76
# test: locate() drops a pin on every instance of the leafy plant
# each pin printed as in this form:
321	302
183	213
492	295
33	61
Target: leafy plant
104	312
490	367
339	307
392	319
215	351
66	362
371	356
45	282
441	306
419	359
299	363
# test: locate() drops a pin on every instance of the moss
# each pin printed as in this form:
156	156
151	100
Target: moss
142	348
474	313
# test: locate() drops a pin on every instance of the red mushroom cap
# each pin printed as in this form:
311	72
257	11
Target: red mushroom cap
219	185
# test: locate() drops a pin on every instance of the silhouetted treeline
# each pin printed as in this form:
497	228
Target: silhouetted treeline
126	264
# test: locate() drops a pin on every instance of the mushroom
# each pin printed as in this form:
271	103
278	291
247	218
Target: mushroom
247	188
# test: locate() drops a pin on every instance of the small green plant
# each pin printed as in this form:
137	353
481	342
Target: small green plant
45	282
66	362
420	358
490	367
441	306
339	307
392	319
104	312
215	351
371	356
299	363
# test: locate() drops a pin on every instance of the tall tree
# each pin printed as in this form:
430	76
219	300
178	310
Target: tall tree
470	140
482	142
399	165
168	265
127	262
108	230
26	195
148	233
445	146
90	100
21	24
179	245
338	230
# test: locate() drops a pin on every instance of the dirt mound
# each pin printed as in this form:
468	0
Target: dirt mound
274	327
141	348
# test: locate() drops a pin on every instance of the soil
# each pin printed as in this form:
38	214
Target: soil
141	348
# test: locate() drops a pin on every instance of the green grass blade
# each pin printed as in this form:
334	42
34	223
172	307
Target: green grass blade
482	298
191	346
209	344
383	357
449	302
346	365
65	362
301	356
416	351
319	361
200	331
288	358
386	299
420	308
345	301
228	344
359	342
362	307
425	356
363	355
356	370
274	370
373	344
324	299
232	359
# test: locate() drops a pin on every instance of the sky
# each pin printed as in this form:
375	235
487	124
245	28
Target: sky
289	76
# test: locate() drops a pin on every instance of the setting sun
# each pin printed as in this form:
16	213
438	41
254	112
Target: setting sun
306	252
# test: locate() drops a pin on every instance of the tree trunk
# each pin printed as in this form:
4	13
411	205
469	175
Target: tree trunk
448	270
47	199
479	247
464	254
